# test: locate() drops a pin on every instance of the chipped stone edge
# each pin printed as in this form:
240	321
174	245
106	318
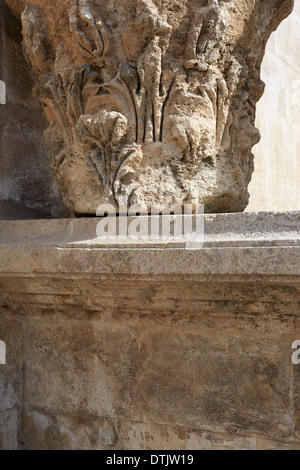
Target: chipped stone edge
250	244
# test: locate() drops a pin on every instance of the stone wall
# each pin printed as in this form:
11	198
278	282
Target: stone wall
27	186
275	182
142	347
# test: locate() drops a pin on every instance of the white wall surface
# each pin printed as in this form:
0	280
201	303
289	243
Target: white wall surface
275	184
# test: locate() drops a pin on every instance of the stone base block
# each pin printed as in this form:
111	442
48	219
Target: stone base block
136	346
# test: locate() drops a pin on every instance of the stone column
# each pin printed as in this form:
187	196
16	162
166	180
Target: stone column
150	100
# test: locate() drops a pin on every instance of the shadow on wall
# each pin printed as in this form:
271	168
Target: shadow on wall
275	184
27	187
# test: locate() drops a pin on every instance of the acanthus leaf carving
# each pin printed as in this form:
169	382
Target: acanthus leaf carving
152	100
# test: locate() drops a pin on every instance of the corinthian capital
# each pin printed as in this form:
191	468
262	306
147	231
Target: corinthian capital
151	100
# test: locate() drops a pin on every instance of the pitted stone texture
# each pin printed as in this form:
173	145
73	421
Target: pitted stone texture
8	429
149	100
150	348
27	187
133	364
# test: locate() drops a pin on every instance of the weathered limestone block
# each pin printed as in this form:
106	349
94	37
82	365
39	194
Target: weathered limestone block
148	99
145	347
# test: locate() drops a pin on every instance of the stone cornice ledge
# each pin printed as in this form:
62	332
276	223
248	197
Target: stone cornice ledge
242	244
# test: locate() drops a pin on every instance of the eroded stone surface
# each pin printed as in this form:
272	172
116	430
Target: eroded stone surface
125	364
150	348
150	100
27	187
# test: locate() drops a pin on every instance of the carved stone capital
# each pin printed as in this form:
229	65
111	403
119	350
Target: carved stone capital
151	100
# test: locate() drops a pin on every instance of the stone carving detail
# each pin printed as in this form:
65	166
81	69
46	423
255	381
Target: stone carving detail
151	100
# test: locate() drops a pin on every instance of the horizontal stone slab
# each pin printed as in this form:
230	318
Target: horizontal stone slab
219	230
233	244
